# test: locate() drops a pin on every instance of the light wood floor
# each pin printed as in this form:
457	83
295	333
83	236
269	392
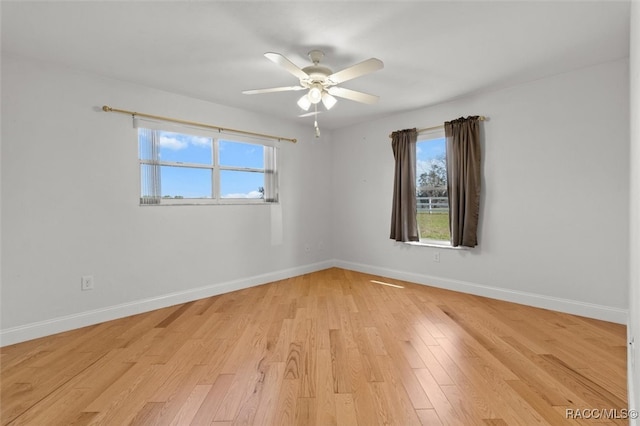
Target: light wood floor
328	348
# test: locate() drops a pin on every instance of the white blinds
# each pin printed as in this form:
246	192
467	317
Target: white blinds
148	150
270	174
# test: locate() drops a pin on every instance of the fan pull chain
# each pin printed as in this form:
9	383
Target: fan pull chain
315	121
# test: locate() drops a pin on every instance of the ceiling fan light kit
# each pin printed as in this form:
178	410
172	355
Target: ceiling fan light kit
321	82
315	93
304	102
328	101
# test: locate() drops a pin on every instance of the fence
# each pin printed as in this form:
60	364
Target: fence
433	204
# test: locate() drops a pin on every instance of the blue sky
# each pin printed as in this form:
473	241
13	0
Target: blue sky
197	183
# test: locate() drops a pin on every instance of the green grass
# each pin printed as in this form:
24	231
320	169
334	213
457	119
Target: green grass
434	226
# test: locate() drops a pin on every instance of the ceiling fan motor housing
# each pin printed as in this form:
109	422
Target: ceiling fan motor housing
317	74
315	56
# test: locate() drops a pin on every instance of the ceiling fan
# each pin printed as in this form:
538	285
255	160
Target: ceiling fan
321	82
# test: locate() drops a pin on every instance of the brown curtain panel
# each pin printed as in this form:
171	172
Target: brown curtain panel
404	225
463	179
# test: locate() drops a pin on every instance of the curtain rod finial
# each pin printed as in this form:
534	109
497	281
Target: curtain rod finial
106	108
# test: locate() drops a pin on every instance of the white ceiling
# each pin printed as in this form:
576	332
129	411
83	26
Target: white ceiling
432	51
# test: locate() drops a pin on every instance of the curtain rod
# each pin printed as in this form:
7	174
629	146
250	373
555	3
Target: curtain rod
107	108
425	129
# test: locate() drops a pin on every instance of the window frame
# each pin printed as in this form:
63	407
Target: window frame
215	167
425	137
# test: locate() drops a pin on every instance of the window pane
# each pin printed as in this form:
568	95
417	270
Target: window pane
183	148
185	182
431	189
433	226
238	154
235	184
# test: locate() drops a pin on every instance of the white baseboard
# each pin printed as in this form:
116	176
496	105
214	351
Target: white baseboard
601	312
82	319
70	322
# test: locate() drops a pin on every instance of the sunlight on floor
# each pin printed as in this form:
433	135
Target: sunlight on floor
390	285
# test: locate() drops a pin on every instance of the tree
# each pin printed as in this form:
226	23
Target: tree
433	182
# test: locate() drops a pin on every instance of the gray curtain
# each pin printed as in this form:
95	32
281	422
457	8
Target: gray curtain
463	179
404	225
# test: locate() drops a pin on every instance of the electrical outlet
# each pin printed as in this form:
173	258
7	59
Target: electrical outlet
436	256
86	282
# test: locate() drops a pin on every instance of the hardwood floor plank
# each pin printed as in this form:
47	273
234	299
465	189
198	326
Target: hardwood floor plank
325	398
325	348
345	409
547	383
471	413
175	393
305	412
216	354
244	384
266	411
483	388
287	401
191	406
592	392
438	399
121	402
339	362
368	360
407	391
181	309
431	363
537	401
77	393
149	415
32	385
361	391
429	417
308	361
209	407
475	324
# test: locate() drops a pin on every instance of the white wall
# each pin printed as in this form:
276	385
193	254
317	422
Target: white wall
70	202
634	253
70	191
555	203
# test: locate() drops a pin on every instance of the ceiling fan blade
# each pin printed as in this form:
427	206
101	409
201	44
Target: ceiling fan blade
341	92
273	89
364	67
287	64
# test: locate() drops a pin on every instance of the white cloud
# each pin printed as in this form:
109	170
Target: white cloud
172	143
176	143
200	141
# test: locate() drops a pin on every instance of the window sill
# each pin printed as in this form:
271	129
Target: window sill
210	203
436	244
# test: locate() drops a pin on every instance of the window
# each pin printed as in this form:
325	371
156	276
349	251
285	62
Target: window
431	188
192	167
